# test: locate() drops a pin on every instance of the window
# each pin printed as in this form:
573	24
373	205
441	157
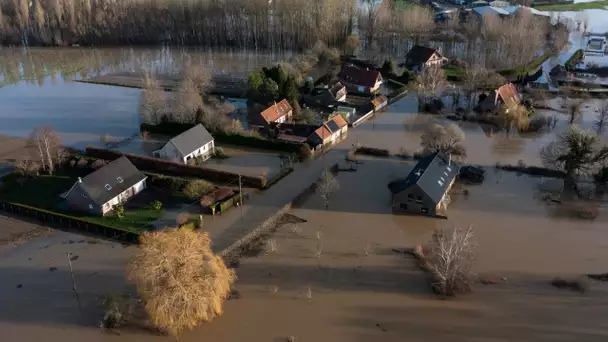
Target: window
403	206
119	179
424	210
108	187
440	183
418	198
410	196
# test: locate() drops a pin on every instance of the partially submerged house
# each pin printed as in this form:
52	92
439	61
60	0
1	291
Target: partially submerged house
277	113
100	191
379	102
507	94
193	143
330	132
420	57
359	79
425	190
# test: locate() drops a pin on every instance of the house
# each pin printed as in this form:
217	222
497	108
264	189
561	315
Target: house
358	79
100	191
347	113
277	113
330	132
193	143
425	190
507	94
327	97
379	102
420	57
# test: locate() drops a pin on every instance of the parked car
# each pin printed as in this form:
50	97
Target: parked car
472	173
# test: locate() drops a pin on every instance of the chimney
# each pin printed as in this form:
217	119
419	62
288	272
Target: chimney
79	180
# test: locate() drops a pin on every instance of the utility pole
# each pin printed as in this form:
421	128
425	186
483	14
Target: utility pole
69	255
241	202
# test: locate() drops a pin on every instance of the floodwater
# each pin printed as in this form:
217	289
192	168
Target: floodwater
37	87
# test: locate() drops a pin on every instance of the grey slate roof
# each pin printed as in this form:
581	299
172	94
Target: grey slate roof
192	139
94	184
433	174
419	55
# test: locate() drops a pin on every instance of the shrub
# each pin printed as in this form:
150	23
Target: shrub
372	151
220	153
197	188
119	209
173	295
169	183
182	219
157	205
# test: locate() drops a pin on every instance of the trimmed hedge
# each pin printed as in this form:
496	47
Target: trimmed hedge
372	151
176	169
61	220
533	65
174	128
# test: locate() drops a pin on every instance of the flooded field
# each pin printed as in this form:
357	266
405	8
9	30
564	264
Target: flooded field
336	277
37	87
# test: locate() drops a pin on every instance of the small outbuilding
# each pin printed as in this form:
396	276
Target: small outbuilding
193	143
425	190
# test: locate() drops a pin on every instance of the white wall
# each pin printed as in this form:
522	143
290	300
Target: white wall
205	150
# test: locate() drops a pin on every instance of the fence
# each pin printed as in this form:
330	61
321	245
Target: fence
63	221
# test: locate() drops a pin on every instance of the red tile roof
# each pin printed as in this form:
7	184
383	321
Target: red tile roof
379	101
339	121
359	76
323	133
509	95
276	111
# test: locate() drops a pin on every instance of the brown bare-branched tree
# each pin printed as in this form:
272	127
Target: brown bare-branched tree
181	281
447	139
450	260
48	144
327	186
152	102
431	83
601	120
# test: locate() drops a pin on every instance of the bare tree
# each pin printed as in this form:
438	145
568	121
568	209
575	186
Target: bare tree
601	121
447	139
431	83
186	102
352	44
573	106
25	165
327	186
181	281
474	77
512	116
152	102
47	142
450	260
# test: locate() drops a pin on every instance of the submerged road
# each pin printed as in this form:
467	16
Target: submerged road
228	228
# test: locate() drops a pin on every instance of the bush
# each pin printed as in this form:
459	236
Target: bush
220	153
576	58
168	183
163	166
174	296
372	151
157	205
119	209
197	189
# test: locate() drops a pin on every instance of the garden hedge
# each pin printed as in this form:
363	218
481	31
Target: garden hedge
156	165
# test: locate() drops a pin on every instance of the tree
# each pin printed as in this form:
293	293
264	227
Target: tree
573	106
152	102
575	152
199	77
181	281
431	83
269	90
307	116
197	188
447	139
186	102
474	77
450	261
48	144
601	121
515	115
290	91
327	186
388	67
352	44
254	82
25	165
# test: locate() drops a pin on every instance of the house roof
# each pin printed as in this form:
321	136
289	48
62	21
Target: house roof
105	183
337	90
419	55
192	139
276	111
323	133
379	100
433	174
509	94
360	76
336	123
291	137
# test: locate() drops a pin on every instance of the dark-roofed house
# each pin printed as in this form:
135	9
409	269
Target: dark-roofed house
507	94
362	80
425	190
420	57
100	191
277	113
327	97
195	142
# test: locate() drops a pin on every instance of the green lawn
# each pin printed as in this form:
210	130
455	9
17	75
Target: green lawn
43	192
453	72
581	6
